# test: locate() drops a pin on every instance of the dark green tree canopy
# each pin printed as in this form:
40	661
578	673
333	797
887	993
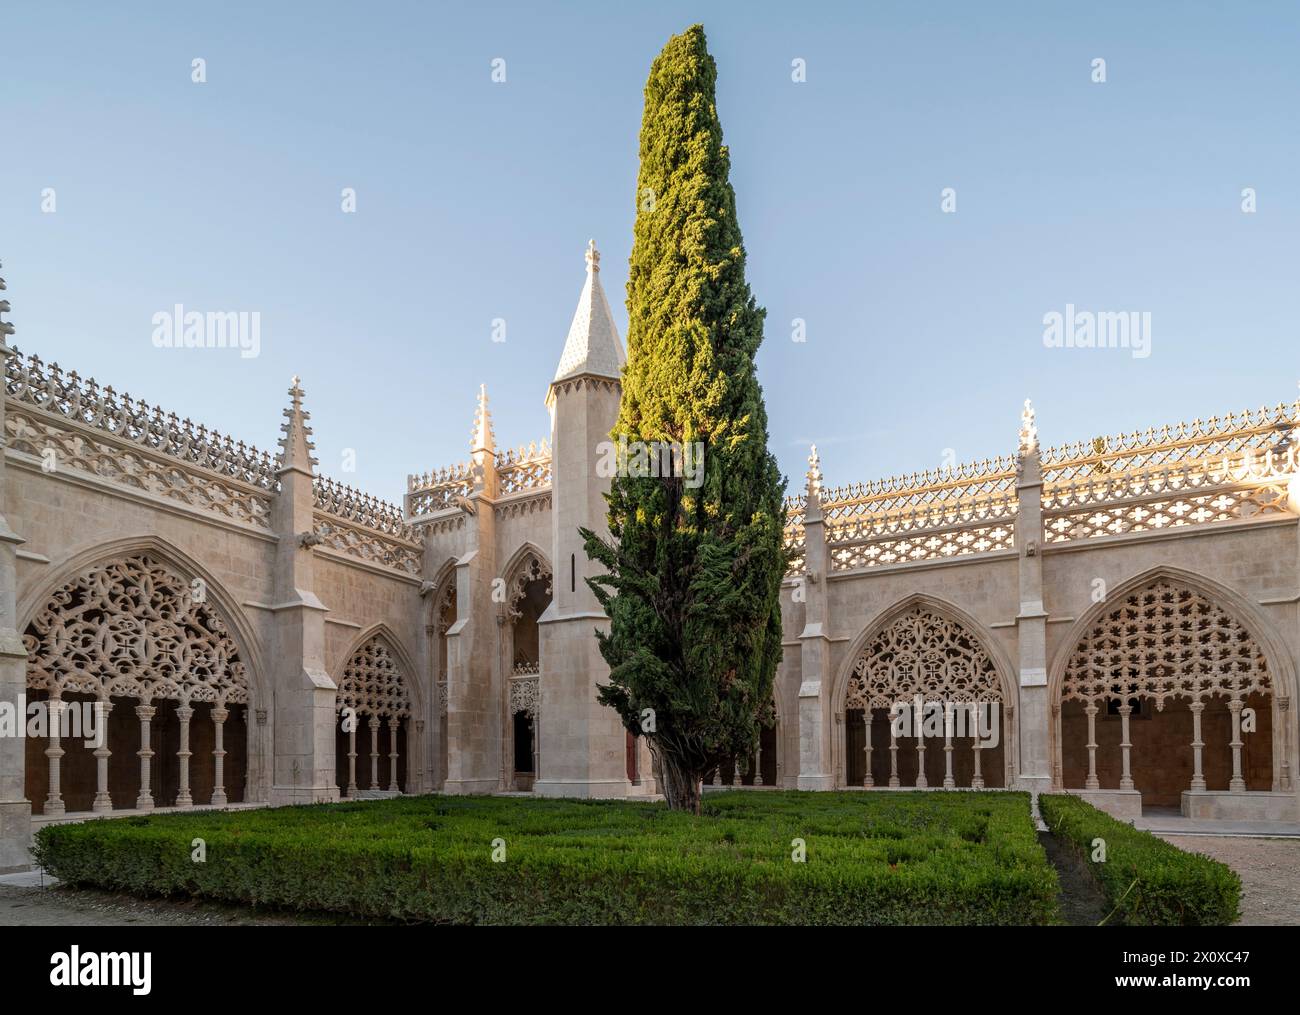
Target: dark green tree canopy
695	562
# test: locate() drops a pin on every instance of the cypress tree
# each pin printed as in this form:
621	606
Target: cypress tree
695	559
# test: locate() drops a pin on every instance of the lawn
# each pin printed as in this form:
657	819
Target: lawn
754	858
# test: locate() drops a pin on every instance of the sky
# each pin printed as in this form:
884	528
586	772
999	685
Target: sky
126	188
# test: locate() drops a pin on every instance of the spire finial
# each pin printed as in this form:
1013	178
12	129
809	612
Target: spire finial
814	473
482	438
1028	430
593	256
296	445
6	328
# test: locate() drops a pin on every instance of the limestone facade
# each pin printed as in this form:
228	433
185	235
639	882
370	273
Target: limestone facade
1122	611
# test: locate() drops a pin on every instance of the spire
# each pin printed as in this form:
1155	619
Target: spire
6	329
482	438
296	445
814	473
593	345
1028	430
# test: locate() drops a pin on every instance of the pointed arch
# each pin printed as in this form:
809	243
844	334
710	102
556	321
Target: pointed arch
186	567
519	560
1175	642
941	608
140	619
924	645
1237	606
391	647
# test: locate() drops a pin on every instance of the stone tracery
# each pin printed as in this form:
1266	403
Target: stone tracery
1166	641
134	628
922	652
372	683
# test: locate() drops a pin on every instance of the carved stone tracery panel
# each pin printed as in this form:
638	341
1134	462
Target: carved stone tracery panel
533	569
372	683
1166	641
134	628
922	652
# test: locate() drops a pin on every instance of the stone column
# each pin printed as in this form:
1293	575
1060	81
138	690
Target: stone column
1284	724
921	781
53	752
352	760
15	808
219	717
183	798
103	801
1237	784
815	722
145	713
977	780
393	724
758	759
1091	782
1034	768
374	752
1198	777
1126	778
948	781
893	756
867	781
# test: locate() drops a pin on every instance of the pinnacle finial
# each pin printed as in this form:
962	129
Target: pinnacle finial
593	256
482	438
5	328
814	472
296	445
1028	430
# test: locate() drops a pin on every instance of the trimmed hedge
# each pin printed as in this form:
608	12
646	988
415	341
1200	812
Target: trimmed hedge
1147	881
871	859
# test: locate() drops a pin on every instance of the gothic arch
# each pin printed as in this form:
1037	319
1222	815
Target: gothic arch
941	607
442	601
376	680
186	567
965	635
519	560
383	636
527	569
138	619
1263	665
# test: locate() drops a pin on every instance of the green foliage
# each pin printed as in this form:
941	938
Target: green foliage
693	572
872	859
1148	881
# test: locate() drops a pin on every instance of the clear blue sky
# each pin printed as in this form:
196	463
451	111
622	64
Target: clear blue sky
475	201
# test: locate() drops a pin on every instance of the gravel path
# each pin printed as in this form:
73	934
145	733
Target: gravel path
70	907
1269	870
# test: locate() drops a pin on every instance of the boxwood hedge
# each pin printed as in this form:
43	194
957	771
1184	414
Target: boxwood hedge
1147	880
870	859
